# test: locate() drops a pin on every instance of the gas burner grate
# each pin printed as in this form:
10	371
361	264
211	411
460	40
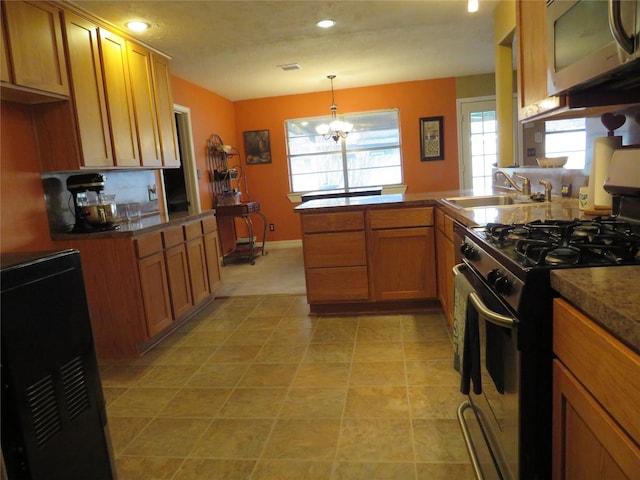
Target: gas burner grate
602	240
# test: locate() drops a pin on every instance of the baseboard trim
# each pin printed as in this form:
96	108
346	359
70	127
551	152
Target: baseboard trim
284	244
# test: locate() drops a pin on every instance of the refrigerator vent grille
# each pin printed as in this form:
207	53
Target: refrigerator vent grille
75	387
44	409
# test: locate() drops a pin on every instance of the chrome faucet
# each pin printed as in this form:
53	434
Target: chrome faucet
526	184
547	189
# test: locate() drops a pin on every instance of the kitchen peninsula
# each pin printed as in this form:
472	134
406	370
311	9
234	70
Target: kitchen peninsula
378	253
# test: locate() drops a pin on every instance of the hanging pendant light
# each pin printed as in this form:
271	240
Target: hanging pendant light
337	129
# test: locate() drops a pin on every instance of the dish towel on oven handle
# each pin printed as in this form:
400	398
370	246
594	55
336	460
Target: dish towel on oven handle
471	352
461	290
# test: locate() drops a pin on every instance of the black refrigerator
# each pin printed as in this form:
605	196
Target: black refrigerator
54	420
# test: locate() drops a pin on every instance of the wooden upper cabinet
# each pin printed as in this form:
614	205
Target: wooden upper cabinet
5	75
164	108
119	99
140	72
88	93
531	30
34	47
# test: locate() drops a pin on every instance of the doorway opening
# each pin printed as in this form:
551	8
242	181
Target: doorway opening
478	141
181	184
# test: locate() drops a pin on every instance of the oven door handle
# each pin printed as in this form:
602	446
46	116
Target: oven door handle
483	310
490	315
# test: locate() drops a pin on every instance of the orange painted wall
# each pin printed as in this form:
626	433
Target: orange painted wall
210	113
23	215
269	183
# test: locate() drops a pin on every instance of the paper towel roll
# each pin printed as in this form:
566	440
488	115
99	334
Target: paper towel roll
603	148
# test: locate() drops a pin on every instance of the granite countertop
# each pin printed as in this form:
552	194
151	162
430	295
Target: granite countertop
146	224
559	209
610	296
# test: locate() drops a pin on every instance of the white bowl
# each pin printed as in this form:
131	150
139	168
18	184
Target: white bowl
552	161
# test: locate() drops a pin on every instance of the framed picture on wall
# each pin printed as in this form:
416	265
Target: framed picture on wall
431	139
257	147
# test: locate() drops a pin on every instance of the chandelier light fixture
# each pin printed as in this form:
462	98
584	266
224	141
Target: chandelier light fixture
337	128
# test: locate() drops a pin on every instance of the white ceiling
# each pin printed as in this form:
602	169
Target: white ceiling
234	47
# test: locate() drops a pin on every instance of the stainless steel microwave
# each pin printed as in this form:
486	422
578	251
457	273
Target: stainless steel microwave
593	42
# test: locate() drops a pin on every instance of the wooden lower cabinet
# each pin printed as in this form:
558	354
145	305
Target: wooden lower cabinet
198	276
337	284
178	275
403	264
155	293
596	392
368	259
140	288
212	252
445	261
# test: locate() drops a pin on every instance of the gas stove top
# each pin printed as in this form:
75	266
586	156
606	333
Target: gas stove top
602	241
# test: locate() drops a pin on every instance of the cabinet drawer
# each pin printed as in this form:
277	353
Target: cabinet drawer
192	230
148	244
606	367
401	217
209	225
335	249
338	284
332	222
172	236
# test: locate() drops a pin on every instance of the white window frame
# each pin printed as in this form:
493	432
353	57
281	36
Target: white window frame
343	149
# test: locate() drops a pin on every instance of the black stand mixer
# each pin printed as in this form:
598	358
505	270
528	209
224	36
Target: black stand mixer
91	215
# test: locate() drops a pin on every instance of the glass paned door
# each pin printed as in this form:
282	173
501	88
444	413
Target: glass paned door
479	143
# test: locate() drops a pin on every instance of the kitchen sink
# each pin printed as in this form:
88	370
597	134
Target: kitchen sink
489	201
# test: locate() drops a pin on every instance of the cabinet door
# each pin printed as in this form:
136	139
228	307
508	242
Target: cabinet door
35	44
444	265
88	92
212	251
139	61
403	264
164	108
5	75
587	443
198	270
119	99
155	293
178	275
532	60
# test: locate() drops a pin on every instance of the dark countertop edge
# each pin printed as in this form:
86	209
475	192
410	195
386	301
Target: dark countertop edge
147	224
615	315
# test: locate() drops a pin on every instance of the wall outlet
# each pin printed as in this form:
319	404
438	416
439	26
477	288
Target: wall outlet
565	190
153	192
272	227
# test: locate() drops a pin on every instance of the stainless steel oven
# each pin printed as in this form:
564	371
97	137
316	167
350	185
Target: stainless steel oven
489	418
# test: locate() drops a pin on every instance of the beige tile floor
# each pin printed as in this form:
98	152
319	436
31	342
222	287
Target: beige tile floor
255	388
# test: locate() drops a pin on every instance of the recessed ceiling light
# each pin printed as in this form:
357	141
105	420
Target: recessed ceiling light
137	26
327	23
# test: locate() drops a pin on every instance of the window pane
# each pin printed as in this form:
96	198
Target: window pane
566	137
368	156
